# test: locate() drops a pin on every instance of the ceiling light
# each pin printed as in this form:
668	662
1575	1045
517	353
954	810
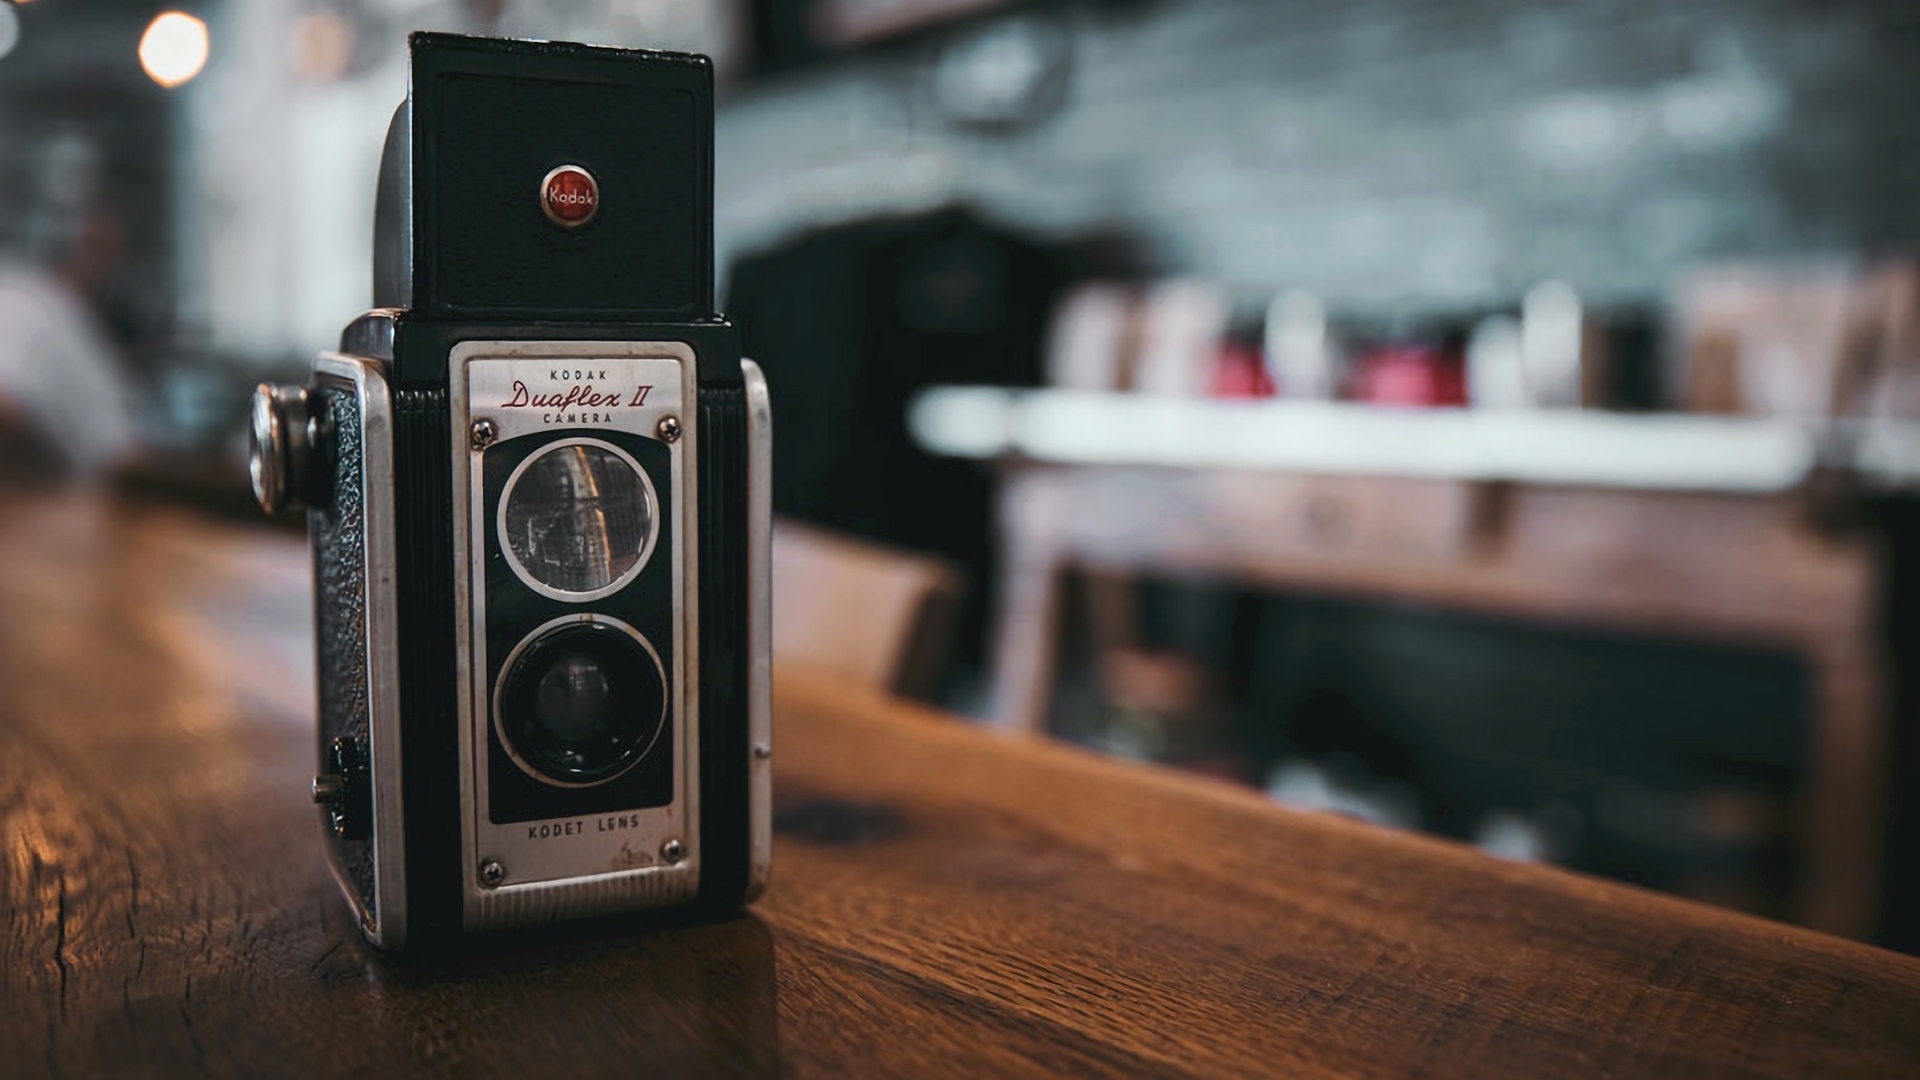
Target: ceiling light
174	48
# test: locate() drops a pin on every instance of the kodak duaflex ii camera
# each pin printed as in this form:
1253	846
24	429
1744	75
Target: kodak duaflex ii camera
536	481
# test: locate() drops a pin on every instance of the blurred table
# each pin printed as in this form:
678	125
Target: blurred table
946	900
1674	526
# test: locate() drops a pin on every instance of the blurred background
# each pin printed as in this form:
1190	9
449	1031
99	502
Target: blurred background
1488	417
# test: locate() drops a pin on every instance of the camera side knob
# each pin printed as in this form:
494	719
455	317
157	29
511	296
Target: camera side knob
343	790
283	436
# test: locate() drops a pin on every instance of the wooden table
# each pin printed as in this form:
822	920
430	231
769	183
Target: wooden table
946	901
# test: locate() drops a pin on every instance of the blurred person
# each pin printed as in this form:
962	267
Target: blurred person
64	403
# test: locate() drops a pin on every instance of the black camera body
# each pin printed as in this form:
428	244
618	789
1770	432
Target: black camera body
537	480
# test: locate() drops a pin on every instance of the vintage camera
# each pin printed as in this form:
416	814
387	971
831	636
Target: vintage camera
537	484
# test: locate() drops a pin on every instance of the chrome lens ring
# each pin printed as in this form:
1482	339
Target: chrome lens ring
580	701
578	520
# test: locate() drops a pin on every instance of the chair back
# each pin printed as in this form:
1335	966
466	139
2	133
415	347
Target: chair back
878	615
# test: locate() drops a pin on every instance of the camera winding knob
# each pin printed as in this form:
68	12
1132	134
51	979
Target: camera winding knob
282	435
343	790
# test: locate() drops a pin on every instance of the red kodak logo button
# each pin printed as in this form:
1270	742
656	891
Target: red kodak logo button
570	196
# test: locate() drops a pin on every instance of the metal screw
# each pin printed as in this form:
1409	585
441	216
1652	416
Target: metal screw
492	873
762	751
483	433
672	851
669	429
329	788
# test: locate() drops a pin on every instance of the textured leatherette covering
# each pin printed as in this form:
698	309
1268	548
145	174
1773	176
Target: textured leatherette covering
490	117
339	533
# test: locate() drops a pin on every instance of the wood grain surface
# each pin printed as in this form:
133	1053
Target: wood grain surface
946	901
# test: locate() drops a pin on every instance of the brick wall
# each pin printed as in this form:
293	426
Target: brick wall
1393	154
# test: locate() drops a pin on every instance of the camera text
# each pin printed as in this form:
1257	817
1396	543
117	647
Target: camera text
579	403
554	830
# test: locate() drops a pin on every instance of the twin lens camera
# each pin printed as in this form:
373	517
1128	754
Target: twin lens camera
537	485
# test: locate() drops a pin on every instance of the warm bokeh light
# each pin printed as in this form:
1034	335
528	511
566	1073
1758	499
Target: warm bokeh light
322	45
174	48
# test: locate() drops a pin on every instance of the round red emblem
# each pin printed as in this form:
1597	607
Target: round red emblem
570	196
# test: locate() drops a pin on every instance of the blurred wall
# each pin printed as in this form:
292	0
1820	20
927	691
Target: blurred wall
1392	154
284	168
87	143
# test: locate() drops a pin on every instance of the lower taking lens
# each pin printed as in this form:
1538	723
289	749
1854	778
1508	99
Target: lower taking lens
581	703
572	698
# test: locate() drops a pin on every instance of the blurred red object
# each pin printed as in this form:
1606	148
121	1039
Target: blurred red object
1423	376
1239	372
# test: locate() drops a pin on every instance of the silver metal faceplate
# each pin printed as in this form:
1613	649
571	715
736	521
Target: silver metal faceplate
386	924
577	867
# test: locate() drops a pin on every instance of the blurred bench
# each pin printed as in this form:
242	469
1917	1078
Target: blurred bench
1690	527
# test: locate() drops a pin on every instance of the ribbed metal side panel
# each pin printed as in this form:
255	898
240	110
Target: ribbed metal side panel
724	839
429	738
580	898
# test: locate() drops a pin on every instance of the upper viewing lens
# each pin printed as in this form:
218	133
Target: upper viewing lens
577	518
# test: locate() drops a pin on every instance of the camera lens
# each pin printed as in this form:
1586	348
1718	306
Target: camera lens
581	703
572	698
577	519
